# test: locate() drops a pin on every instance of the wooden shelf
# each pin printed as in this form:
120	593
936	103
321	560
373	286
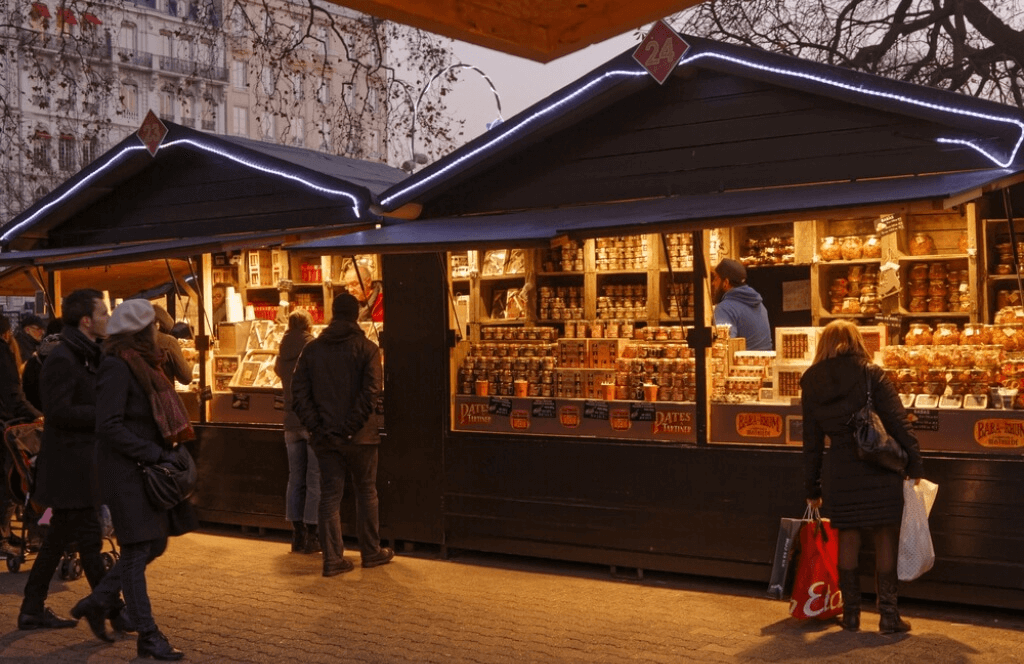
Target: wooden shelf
502	321
934	314
560	274
859	261
504	277
602	273
1004	277
932	257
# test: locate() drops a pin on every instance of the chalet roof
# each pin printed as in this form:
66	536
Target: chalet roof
199	187
663	215
729	118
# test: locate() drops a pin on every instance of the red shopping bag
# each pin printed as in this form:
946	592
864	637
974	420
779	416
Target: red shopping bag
816	586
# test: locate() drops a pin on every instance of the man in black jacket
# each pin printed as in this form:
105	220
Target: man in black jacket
66	467
335	388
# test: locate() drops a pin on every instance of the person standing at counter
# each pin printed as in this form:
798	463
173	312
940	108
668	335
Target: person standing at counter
862	499
175	366
739	306
369	293
335	387
302	498
219	293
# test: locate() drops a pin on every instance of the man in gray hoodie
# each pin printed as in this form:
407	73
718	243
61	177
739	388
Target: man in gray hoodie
739	306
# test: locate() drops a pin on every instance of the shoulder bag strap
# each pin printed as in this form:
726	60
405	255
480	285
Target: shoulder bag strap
867	377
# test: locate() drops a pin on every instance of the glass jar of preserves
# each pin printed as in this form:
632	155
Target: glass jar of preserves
922	244
852	248
946	334
918	271
918	288
917	305
937	289
919	334
937	271
975	334
851	305
830	249
937	304
872	247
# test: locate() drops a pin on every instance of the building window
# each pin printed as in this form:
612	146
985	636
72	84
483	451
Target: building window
238	22
167	105
89	148
374	146
239	74
268	126
299	131
130	100
372	98
323	92
325	136
240	118
297	87
66	152
129	37
349	92
267	79
41	150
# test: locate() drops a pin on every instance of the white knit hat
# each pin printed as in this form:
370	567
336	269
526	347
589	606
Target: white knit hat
130	316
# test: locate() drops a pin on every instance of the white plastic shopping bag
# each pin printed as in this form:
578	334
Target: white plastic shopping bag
917	555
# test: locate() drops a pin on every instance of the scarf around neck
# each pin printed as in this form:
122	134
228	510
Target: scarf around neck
168	411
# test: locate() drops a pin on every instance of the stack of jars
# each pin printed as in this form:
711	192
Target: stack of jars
680	250
671	367
623	301
679	303
856	292
622	253
936	288
560	303
495	367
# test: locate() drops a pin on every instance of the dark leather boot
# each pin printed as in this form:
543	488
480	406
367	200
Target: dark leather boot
154	644
96	615
298	536
312	539
849	585
890	621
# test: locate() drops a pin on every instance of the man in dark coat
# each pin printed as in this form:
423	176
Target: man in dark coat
66	477
337	382
29	336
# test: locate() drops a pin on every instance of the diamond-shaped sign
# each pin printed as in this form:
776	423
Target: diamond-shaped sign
152	132
660	50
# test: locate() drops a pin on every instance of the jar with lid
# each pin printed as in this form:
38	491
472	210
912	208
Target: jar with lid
937	304
946	334
830	249
922	244
918	288
872	247
917	305
937	289
852	248
870	304
851	305
918	271
919	334
975	334
937	271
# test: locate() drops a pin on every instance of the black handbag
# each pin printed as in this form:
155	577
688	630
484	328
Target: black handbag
874	444
170	482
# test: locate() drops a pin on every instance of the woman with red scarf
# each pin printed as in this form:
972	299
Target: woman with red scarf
139	420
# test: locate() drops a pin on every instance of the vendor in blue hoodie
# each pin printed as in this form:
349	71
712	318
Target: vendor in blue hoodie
739	306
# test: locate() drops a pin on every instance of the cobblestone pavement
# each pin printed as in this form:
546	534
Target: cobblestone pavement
222	596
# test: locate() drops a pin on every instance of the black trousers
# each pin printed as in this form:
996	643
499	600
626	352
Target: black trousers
67	527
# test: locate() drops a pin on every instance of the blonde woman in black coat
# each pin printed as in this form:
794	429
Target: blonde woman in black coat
139	419
862	500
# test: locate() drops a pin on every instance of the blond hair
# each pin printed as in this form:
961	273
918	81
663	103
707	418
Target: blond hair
840	337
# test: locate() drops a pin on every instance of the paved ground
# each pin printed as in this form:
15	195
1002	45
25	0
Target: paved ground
226	597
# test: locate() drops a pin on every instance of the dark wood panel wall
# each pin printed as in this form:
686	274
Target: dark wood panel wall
709	133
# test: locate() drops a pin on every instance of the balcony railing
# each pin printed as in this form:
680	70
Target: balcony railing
188	122
190	68
53	44
209	125
135	58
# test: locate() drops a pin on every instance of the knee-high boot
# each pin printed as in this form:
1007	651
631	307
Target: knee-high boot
849	585
889	621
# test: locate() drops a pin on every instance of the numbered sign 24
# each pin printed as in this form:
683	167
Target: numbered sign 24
660	51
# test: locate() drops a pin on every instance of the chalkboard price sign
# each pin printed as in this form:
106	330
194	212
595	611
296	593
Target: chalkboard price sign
498	406
543	408
641	411
888	224
595	410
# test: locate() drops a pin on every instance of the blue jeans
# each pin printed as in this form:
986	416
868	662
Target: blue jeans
302	500
359	462
129	575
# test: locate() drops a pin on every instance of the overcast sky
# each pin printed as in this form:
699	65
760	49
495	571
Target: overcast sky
519	82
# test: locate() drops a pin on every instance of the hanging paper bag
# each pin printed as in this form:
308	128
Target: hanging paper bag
816	586
780	586
916	555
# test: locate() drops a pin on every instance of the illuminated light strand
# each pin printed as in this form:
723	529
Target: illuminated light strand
272	171
13	232
510	131
886	95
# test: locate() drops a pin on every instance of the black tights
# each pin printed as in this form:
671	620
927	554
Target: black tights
887	544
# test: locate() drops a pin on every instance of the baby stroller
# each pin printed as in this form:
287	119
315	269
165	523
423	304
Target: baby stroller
22	443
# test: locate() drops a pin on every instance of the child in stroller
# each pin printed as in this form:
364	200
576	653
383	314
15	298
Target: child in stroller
21	446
